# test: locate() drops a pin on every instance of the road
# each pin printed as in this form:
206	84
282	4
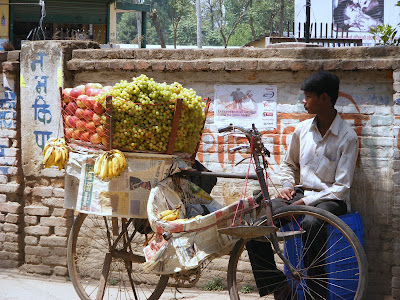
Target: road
17	286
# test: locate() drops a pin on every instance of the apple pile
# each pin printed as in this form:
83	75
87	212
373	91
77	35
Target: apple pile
142	115
83	115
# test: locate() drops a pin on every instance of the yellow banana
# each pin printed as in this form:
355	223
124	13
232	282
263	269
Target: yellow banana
104	168
50	160
116	165
57	155
47	155
121	158
97	164
110	170
170	214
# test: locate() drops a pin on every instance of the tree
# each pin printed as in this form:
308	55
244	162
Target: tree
180	8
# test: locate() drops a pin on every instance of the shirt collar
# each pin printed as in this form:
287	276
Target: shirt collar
334	128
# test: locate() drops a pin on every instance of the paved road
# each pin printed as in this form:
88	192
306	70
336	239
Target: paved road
17	286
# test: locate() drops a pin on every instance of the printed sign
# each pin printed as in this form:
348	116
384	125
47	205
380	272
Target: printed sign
245	105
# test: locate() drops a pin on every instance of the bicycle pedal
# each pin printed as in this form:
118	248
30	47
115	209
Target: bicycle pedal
248	232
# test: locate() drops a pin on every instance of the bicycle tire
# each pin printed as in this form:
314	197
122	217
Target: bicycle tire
88	257
236	270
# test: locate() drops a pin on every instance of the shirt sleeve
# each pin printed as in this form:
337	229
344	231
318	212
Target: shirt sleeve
343	175
290	167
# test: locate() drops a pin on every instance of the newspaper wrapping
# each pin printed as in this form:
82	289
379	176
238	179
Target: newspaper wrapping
192	240
122	196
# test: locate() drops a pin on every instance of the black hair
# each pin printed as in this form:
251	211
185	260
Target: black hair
322	82
134	180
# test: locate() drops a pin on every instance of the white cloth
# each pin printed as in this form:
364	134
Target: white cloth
324	166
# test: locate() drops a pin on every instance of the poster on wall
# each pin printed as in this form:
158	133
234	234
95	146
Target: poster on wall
357	15
244	105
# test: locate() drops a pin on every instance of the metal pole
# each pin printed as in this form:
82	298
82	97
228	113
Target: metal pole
307	29
198	14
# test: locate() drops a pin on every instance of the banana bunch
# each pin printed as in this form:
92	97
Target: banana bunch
110	164
170	214
55	153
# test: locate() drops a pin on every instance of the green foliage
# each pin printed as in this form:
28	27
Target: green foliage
385	35
214	285
230	22
247	289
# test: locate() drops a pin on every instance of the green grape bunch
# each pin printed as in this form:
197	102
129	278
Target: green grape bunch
142	115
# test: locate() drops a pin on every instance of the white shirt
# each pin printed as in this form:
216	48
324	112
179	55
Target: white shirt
322	166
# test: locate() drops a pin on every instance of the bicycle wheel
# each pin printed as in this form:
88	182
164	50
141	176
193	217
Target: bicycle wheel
105	263
341	257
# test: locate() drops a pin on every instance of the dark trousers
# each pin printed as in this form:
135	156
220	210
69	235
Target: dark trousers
268	278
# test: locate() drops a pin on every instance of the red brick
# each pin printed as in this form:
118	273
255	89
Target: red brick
53	241
9	188
42	191
10	227
33	259
53	221
39	269
8	161
31	220
37	250
11	207
12	247
60	271
37	210
12	218
37	230
31	240
54	202
58	192
8	133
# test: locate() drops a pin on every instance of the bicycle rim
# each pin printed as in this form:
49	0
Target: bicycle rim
341	256
90	261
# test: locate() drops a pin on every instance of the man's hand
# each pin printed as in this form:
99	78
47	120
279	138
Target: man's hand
298	202
287	193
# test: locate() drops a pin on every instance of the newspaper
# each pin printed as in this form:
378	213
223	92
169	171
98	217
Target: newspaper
122	196
191	241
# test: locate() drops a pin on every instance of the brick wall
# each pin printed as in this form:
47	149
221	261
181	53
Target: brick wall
370	90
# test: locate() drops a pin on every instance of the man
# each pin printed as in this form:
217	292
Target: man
322	156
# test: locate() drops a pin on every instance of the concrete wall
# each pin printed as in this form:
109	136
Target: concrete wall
369	101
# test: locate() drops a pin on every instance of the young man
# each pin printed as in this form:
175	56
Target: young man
322	156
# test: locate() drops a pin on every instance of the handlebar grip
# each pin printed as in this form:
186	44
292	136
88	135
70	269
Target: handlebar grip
225	129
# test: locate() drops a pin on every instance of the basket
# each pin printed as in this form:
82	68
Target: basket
88	126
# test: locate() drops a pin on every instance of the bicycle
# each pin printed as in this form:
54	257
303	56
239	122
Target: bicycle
103	264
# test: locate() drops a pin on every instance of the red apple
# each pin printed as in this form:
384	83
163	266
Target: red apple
91	127
81	124
93	92
76	134
88	115
107	87
68	132
71	121
89	102
101	130
98	108
95	138
85	136
80	113
92	85
71	108
104	140
81	101
66	95
96	119
76	91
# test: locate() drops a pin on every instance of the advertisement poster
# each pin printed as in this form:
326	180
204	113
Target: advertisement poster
357	15
243	105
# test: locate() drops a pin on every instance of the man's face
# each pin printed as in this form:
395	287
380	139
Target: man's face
313	103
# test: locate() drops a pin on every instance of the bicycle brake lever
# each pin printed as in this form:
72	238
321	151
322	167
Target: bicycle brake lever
242	160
